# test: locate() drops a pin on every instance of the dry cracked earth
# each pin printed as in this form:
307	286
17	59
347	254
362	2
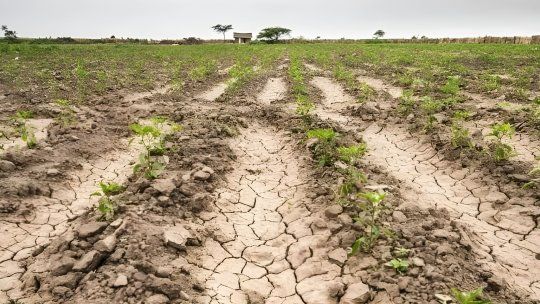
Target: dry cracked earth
243	215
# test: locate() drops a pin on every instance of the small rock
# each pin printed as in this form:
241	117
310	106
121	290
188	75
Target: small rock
345	219
176	237
120	281
52	172
201	175
443	299
333	211
91	229
418	262
140	276
7	166
116	223
165	186
340	165
157	299
399	216
89	261
107	244
357	293
311	143
62	266
338	255
403	282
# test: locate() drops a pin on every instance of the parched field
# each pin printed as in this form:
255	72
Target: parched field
282	174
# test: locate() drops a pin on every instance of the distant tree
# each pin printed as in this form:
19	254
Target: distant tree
273	34
9	34
414	37
318	37
113	37
379	34
222	29
423	37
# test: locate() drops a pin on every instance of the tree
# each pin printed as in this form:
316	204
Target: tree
222	29
379	34
9	34
273	33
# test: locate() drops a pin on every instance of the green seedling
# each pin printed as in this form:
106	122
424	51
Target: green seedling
535	175
459	136
27	133
399	265
325	148
491	83
430	107
153	138
471	297
352	154
402	252
451	86
107	206
67	115
499	150
371	206
406	103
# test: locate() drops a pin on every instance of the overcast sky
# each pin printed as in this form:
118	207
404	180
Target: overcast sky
160	19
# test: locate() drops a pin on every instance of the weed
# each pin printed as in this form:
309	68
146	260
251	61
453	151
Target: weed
430	107
153	138
471	297
67	115
406	103
402	252
491	83
451	86
20	119
535	175
107	206
499	150
326	142
371	206
352	153
399	265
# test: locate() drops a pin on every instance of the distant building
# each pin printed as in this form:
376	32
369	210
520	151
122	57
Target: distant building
242	37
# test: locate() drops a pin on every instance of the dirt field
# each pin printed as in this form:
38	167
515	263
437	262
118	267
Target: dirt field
283	174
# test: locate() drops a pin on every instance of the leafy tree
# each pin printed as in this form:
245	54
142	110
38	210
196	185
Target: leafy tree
273	33
379	34
222	29
9	34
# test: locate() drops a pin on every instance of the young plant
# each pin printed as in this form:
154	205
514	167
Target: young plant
535	175
460	137
499	150
402	252
107	206
406	103
371	208
451	87
399	265
153	138
430	107
26	131
471	297
67	115
352	153
325	147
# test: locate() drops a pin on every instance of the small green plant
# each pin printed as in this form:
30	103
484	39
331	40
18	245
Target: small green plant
471	297
67	115
499	150
27	133
399	265
535	175
491	82
325	148
352	153
402	252
153	138
430	107
451	86
406	103
459	136
107	206
371	207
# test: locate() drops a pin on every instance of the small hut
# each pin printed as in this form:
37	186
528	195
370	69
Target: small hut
242	38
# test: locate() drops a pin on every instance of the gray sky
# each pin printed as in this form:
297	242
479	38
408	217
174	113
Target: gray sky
309	18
